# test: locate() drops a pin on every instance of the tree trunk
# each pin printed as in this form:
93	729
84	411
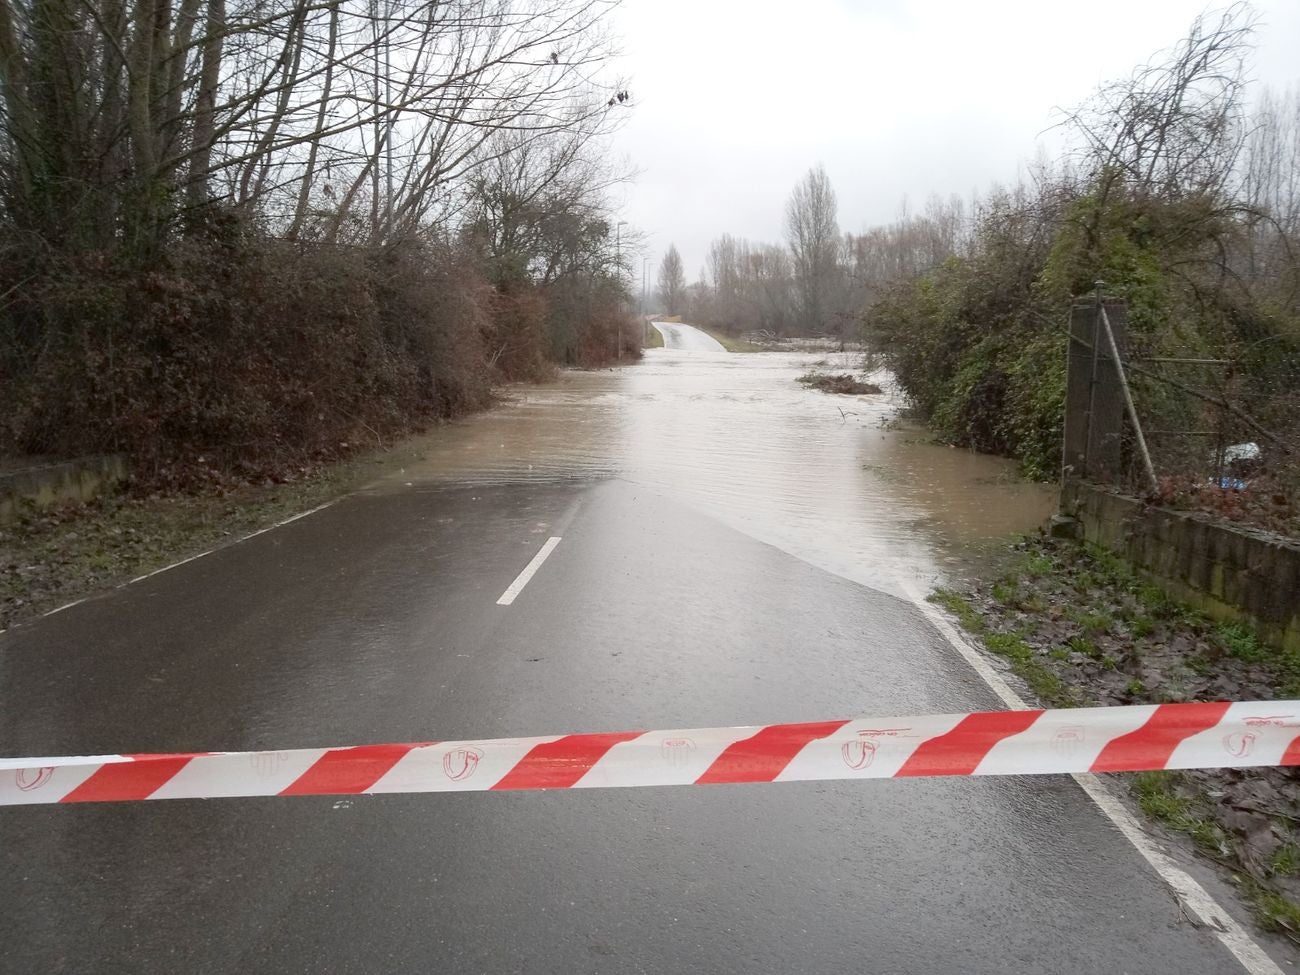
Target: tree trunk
304	192
20	119
202	135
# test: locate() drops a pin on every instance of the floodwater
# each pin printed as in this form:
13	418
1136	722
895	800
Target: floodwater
823	477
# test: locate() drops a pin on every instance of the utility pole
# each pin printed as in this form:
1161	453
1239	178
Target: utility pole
645	313
618	269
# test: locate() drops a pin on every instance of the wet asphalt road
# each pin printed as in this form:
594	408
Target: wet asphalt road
375	620
687	338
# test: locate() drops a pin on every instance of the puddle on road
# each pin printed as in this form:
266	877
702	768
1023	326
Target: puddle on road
735	436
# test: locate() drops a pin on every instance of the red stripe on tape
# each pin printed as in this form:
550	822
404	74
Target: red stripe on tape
1151	745
137	779
959	752
762	756
561	763
1292	754
347	771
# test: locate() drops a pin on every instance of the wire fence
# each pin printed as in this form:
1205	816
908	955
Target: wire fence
1218	433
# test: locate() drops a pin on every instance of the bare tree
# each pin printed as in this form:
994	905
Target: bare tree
1269	186
814	238
911	245
725	258
537	205
1174	127
118	116
771	284
672	282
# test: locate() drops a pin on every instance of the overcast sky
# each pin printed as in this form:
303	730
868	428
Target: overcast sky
736	99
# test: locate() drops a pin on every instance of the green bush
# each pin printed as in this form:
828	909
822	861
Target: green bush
979	343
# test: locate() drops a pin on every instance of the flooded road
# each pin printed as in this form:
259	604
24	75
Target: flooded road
823	477
687	508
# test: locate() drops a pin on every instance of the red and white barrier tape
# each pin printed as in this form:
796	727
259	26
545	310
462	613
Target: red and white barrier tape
1120	739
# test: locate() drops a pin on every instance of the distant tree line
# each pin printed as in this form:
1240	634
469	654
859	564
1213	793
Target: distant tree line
819	279
250	231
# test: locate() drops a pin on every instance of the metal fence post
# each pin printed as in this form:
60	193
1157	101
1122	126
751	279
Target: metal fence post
1113	338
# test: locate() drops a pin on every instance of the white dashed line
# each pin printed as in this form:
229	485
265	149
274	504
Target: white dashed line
530	570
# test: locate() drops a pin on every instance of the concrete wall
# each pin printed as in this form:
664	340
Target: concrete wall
48	484
1231	573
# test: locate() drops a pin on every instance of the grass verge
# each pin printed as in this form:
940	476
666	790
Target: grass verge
56	556
1081	627
731	343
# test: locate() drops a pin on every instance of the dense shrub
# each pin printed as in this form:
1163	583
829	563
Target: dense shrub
979	343
1182	201
974	345
239	356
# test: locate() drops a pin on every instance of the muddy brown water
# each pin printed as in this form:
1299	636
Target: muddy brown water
820	476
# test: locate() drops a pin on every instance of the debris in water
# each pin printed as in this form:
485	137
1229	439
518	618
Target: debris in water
843	383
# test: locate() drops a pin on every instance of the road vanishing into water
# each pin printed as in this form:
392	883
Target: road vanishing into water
734	549
684	338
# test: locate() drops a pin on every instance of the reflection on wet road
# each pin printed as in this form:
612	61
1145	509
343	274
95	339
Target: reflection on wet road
735	436
686	338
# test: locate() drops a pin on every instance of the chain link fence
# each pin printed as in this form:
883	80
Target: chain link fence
1214	431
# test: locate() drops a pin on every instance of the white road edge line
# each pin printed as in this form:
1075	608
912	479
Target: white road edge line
242	538
530	570
1198	900
192	558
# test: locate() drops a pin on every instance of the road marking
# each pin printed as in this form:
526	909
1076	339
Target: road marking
184	561
242	538
167	568
60	609
1196	898
530	570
